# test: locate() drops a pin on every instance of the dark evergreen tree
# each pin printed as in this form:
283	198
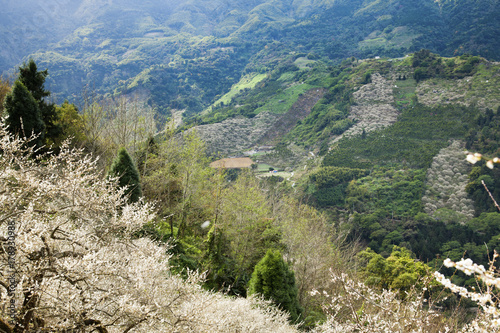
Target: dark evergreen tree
124	168
24	116
222	271
34	80
275	281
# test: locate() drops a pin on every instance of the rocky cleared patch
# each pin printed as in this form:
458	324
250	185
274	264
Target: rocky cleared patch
234	135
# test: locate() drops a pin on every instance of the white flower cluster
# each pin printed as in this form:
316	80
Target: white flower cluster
374	109
446	182
355	307
474	158
489	319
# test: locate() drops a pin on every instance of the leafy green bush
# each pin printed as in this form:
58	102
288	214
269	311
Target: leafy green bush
398	272
330	184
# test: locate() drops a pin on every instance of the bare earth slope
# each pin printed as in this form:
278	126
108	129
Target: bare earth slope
232	136
298	111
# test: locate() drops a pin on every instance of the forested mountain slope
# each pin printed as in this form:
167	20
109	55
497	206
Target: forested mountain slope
383	141
186	54
357	114
317	105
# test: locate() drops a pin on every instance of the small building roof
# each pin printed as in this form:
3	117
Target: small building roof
232	163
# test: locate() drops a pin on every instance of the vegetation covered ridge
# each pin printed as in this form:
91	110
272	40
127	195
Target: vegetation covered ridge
324	250
189	55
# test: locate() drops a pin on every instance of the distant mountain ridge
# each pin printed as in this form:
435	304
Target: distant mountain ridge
33	25
185	55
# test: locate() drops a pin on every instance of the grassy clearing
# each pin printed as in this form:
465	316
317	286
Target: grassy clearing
248	81
283	101
261	153
398	37
263	167
373	43
405	91
284	175
287	77
303	63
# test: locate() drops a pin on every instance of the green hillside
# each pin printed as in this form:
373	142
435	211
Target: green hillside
353	143
391	135
187	55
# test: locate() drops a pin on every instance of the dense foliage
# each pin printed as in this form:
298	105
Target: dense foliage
275	281
399	271
23	114
124	169
412	142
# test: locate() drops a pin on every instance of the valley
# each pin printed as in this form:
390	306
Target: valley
251	166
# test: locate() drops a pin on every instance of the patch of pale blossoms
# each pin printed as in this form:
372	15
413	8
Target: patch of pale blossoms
488	320
356	307
446	181
78	266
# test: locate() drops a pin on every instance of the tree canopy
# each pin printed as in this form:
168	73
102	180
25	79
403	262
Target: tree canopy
34	81
124	168
275	281
24	117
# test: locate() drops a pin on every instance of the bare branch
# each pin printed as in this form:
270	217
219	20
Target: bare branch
491	196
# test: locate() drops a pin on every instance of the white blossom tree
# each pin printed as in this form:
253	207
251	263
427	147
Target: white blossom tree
446	181
77	266
356	307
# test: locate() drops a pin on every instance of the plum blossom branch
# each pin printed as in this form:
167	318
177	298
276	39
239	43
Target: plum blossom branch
489	319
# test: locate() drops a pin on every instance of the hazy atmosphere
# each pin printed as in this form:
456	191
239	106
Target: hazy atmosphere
249	166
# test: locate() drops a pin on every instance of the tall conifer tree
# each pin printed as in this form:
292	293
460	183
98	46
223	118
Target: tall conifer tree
24	116
124	168
34	80
275	281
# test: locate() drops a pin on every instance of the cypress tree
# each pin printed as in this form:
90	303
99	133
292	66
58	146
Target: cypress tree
124	168
34	80
275	281
24	116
